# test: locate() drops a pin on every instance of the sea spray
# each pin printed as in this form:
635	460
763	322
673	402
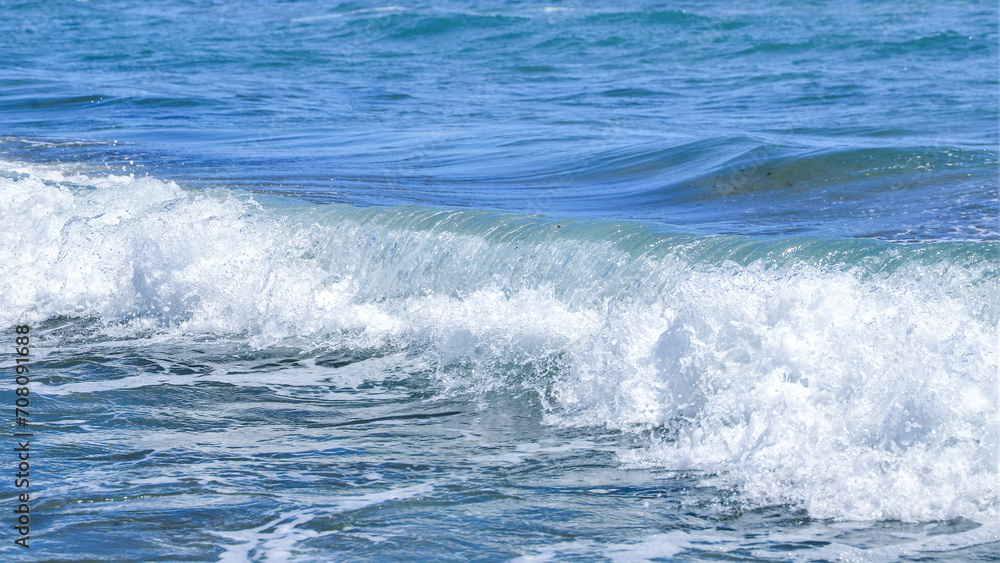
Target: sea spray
855	379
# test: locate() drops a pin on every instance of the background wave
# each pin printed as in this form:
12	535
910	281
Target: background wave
861	120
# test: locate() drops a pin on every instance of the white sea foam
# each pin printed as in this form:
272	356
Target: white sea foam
855	400
276	540
855	391
272	541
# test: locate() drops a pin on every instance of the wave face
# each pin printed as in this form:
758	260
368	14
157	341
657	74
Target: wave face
855	379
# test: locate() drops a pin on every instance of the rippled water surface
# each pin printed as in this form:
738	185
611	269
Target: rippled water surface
563	281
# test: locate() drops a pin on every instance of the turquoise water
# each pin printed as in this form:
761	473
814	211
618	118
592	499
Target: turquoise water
504	281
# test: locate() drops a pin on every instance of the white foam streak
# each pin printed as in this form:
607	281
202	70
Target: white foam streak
276	540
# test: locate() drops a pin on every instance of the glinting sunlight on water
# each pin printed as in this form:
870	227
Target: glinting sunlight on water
479	281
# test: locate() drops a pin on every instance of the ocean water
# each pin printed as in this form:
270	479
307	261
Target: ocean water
480	281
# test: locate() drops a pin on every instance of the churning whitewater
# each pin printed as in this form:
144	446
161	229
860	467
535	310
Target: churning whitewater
856	380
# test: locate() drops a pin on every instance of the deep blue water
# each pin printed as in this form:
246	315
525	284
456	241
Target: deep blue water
466	280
